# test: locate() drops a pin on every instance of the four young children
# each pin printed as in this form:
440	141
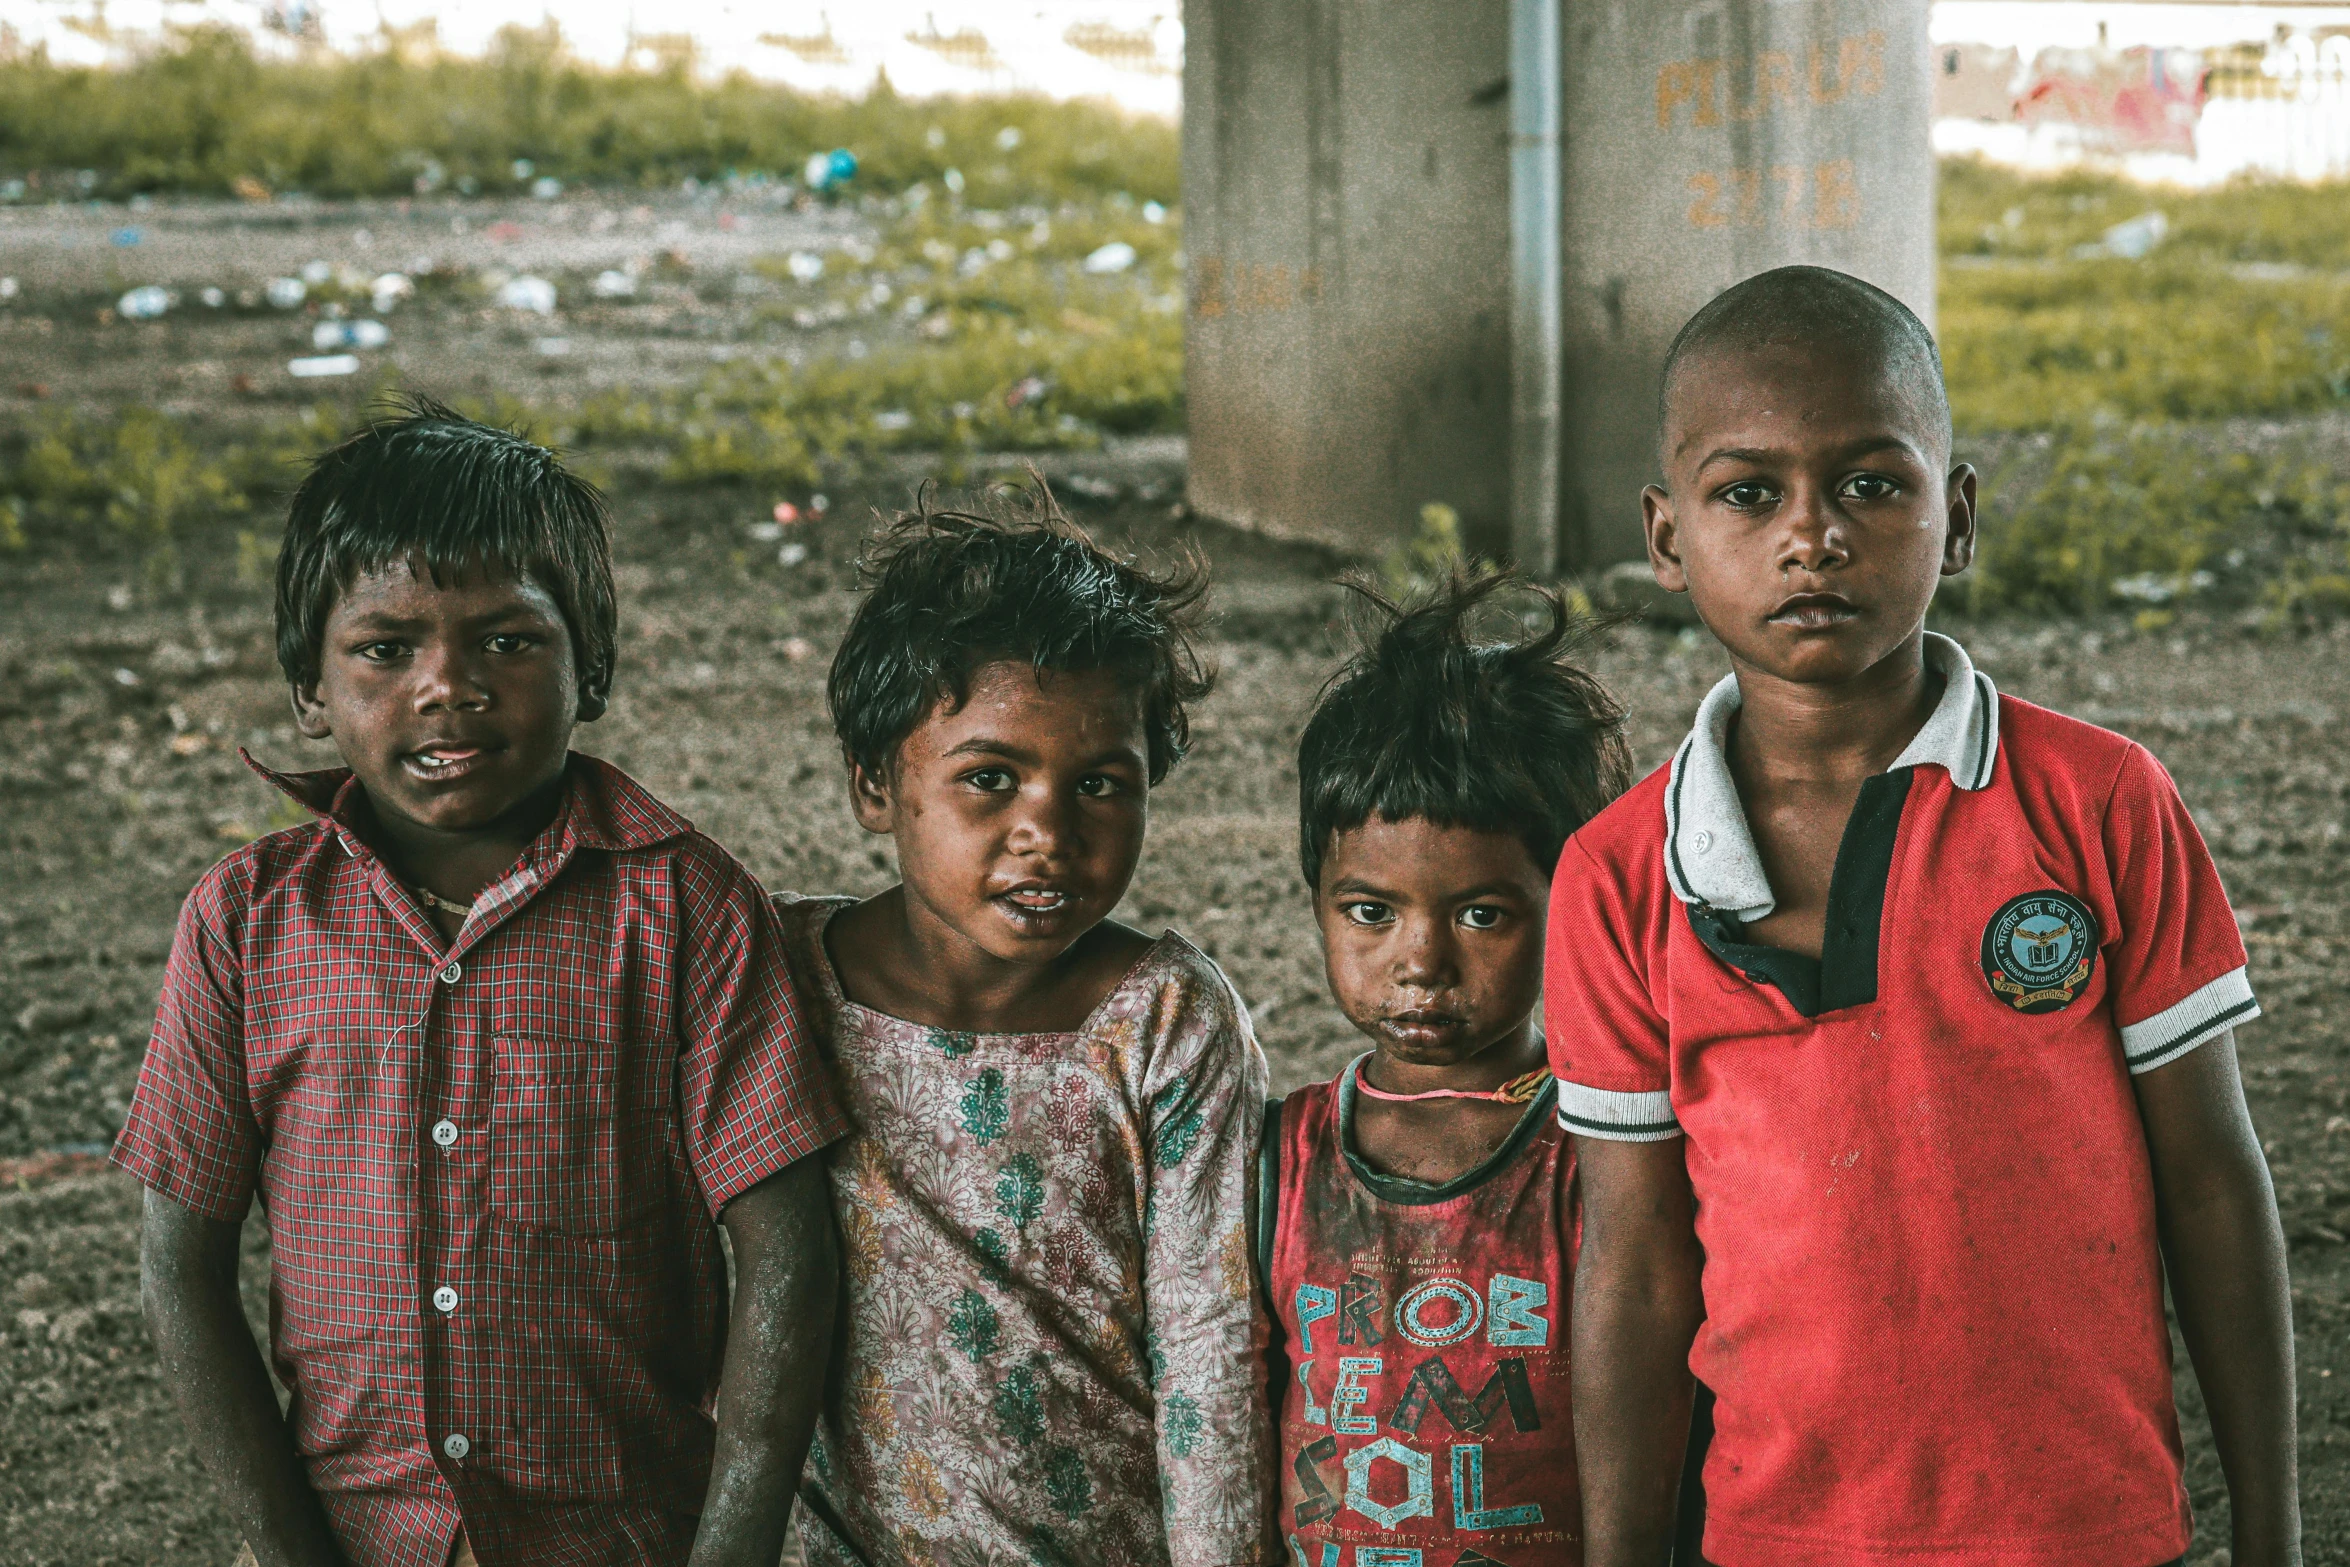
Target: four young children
1871	1062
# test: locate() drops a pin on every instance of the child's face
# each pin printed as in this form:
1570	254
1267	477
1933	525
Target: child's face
1806	512
1432	936
1019	815
452	703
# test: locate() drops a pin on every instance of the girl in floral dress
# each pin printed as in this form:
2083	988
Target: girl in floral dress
1050	1345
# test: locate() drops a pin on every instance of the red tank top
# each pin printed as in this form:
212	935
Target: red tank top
1426	1422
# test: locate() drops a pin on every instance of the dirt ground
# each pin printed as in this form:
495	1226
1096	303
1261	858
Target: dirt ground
119	785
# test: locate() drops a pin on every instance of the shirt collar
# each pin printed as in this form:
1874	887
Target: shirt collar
1710	856
603	807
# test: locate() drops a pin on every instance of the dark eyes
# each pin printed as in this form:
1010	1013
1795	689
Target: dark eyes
1364	911
999	780
1753	494
505	643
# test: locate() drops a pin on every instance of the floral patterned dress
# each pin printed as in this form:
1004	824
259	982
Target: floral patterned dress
1051	1351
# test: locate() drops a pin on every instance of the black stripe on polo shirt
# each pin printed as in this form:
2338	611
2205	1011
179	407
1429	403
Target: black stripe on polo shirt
1987	699
1574	1122
1845	972
2210	1025
1680	877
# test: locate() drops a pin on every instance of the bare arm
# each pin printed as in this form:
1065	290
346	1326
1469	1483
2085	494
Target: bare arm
1637	1307
779	1344
188	1287
2224	1250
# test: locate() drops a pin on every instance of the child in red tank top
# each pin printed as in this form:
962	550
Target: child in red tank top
1420	1240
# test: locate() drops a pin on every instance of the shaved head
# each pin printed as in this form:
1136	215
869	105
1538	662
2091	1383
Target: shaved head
1811	310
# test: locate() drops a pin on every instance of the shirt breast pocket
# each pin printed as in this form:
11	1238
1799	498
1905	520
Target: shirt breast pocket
577	1134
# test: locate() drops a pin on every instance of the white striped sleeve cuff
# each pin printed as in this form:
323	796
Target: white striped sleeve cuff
2172	1032
1620	1118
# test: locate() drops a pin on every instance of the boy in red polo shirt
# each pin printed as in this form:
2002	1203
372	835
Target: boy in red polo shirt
496	1038
1894	1023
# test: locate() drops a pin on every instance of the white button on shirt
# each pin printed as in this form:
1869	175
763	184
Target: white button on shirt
444	1299
455	1445
444	1132
453	973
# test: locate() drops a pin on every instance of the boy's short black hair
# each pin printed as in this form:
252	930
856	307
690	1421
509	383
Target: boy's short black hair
433	483
952	591
1508	736
1808	304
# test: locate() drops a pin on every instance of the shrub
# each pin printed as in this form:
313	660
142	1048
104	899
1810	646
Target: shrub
205	115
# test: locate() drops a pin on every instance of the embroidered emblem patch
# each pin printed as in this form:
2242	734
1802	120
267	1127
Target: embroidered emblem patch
2039	951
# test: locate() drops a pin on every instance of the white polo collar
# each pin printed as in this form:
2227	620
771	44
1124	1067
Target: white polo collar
1709	853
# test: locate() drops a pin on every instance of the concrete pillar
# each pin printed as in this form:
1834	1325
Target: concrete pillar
1346	220
1705	141
1348	206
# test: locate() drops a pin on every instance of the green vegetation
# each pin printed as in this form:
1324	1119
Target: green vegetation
2093	388
207	117
2126	492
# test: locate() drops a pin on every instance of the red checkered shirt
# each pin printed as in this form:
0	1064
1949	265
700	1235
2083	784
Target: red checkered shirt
491	1165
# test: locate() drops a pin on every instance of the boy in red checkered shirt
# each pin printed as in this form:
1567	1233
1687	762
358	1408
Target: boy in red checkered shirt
497	1039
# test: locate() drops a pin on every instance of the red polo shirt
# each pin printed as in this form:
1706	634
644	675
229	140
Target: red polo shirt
491	1166
1934	1312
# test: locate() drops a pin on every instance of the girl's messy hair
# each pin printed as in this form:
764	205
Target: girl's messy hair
952	591
1507	736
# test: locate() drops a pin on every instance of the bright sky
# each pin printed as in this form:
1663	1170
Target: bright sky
1129	50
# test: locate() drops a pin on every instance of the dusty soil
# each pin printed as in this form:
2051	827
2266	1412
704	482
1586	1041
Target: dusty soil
119	784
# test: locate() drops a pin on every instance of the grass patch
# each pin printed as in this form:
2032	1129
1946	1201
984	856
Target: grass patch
204	116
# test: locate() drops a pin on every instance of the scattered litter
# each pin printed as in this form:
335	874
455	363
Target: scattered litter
1007	138
286	293
213	298
2156	587
818	505
1153	212
349	334
953	181
806	266
145	303
786	512
1091	488
796	648
316	273
613	284
193	743
2133	240
126	677
890	420
323	365
766	532
827	169
8	288
791	555
534	294
388	290
523	169
999	250
1026	390
12	190
546	187
552	347
127	237
1116	256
